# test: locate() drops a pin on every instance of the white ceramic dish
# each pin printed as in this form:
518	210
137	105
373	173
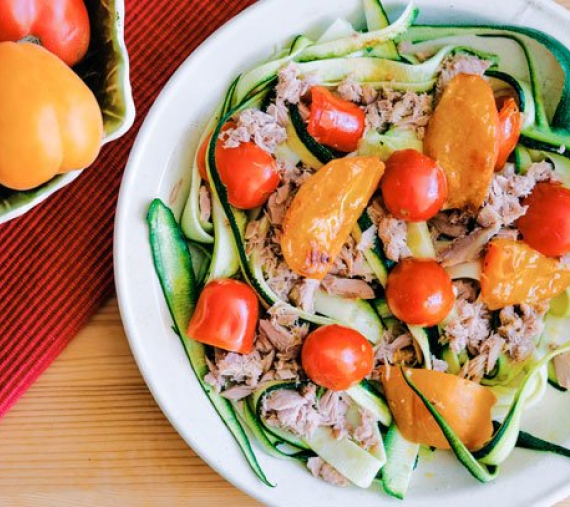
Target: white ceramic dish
158	167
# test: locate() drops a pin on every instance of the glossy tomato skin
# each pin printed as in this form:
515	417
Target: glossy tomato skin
336	357
61	26
335	122
420	292
414	187
546	223
249	174
510	126
226	316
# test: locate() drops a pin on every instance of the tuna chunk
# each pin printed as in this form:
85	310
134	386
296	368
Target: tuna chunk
323	470
351	288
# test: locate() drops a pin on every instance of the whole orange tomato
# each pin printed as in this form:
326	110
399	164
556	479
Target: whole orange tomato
337	357
226	316
50	121
420	292
61	26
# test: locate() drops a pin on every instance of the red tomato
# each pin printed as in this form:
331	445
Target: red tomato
201	157
62	26
226	316
546	223
420	292
510	126
249	174
335	122
414	187
337	357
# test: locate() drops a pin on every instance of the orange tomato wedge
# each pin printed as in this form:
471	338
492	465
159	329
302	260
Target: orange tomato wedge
465	405
325	211
515	273
462	137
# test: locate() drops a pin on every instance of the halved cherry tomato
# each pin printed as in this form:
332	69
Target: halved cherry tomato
510	126
201	157
62	26
465	406
226	316
420	292
546	224
337	357
514	273
335	122
249	174
414	187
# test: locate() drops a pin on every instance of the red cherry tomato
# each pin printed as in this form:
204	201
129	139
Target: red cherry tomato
62	26
335	122
420	292
510	126
337	357
414	187
226	316
249	174
546	223
201	157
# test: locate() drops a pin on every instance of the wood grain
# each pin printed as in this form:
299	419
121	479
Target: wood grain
89	434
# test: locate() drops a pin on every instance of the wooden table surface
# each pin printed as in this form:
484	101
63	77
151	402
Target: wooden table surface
89	433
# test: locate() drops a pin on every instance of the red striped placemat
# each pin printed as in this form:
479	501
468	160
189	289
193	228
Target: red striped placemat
56	262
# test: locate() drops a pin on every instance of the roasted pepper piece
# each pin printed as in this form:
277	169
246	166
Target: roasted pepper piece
465	405
325	211
50	122
515	273
462	136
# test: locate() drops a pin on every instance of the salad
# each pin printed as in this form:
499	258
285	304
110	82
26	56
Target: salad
373	258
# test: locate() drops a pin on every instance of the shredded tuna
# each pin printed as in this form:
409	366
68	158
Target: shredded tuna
278	203
453	224
520	329
396	347
562	369
474	369
238	392
280	337
230	368
303	294
467	248
205	204
323	470
301	412
257	126
350	90
469	327
503	203
290	88
365	433
368	239
492	348
460	64
351	288
369	94
280	313
465	289
400	109
255	236
351	262
392	232
439	364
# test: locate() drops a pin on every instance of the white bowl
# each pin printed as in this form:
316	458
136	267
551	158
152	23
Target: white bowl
158	167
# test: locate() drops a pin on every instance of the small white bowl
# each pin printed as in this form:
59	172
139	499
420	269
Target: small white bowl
105	69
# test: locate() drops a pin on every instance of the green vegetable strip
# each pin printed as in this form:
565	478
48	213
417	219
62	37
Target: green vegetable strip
174	269
479	471
527	441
